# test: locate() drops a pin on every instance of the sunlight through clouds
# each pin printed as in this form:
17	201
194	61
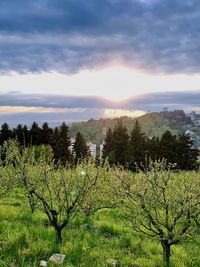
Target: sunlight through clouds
22	109
114	82
115	113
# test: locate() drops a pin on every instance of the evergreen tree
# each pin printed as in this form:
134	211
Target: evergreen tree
168	147
153	148
137	147
46	134
21	133
80	148
63	145
120	144
54	141
18	134
187	155
5	133
26	136
108	147
35	134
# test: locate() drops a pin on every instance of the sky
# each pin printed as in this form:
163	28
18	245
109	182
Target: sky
75	60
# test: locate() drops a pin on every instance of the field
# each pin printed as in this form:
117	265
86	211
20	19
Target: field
26	238
96	215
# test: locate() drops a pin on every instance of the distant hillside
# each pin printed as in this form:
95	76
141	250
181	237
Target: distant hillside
154	123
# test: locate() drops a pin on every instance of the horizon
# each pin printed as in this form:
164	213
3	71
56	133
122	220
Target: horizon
108	114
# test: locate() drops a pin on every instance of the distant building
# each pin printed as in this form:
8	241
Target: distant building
101	150
104	133
192	115
92	149
71	147
189	132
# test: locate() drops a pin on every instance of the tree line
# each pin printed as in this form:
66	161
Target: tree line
135	150
132	151
58	138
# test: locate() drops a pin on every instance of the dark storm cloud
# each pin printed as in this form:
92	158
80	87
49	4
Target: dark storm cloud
68	35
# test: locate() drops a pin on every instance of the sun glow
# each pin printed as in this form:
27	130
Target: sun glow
22	109
115	83
116	113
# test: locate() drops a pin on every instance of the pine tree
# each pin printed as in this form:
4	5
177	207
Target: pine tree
187	155
137	147
46	134
168	147
120	144
63	144
5	133
18	134
35	134
108	146
55	143
80	148
26	136
153	148
21	133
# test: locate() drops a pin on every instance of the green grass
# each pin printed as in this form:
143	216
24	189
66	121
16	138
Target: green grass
25	240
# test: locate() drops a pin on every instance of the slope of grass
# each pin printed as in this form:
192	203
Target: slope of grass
25	239
153	124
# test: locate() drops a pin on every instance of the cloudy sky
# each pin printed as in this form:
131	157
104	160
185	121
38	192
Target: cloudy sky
76	59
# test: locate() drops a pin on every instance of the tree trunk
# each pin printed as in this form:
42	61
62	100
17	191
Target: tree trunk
166	252
31	202
58	236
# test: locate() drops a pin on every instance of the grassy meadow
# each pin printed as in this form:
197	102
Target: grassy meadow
27	238
96	215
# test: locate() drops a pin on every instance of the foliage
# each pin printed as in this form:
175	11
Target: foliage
100	196
85	206
46	134
136	150
137	147
159	203
187	155
6	181
152	136
64	154
80	148
6	133
152	124
116	145
62	192
168	147
20	161
35	134
108	146
26	238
